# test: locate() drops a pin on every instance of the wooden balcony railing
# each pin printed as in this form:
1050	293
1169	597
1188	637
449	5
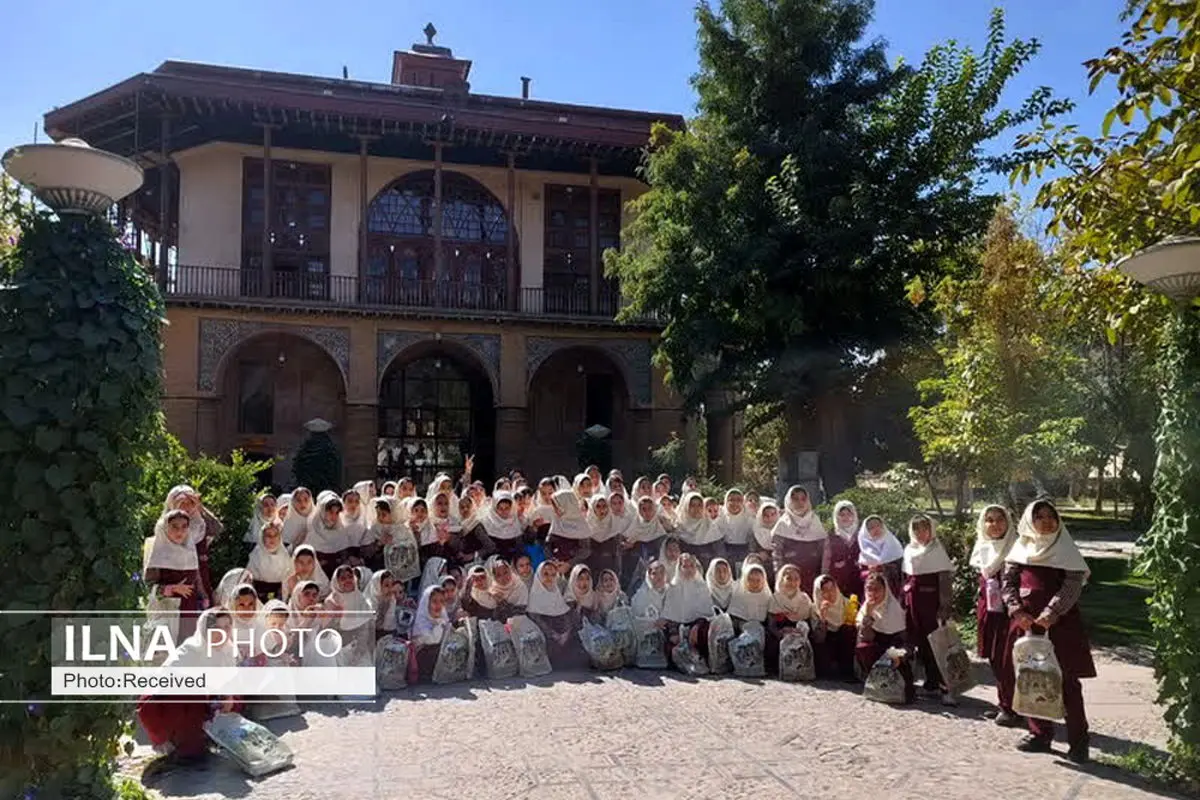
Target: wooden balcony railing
189	282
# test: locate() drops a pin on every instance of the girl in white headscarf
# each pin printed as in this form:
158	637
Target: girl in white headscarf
569	532
506	588
928	595
367	494
326	533
269	563
264	510
700	534
603	548
608	592
880	551
439	538
833	637
247	621
994	537
688	605
295	524
305	567
799	536
176	727
580	592
429	628
354	618
354	525
736	524
203	528
382	593
231	580
474	543
643	540
669	554
475	600
649	598
719	578
558	621
752	596
881	626
396	542
765	519
790	607
1044	574
841	549
171	571
503	527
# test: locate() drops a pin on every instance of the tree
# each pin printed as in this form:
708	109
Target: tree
1122	192
782	226
318	463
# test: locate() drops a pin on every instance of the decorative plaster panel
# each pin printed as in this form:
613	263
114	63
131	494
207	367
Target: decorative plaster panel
219	337
484	346
632	357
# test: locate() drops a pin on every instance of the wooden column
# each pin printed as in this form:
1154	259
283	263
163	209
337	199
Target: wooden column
268	272
594	239
439	261
510	258
164	202
362	217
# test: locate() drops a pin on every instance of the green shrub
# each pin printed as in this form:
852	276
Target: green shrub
590	450
228	490
79	391
668	458
318	464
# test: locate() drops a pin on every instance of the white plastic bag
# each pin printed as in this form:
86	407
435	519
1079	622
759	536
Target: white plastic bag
601	646
746	651
1039	682
620	623
953	660
391	663
531	647
796	655
720	634
255	749
499	652
162	612
651	644
401	559
472	627
885	683
453	657
685	657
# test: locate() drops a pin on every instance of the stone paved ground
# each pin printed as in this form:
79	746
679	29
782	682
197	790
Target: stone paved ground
659	735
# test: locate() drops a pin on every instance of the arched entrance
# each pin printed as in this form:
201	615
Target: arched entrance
271	385
401	257
572	390
435	408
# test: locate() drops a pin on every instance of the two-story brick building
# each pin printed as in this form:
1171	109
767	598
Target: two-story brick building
417	264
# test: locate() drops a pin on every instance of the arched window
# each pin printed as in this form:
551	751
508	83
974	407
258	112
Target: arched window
401	264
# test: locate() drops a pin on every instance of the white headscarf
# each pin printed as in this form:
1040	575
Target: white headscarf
514	592
326	538
195	650
850	531
762	534
432	573
165	554
1057	550
318	575
748	605
721	593
607	601
300	618
548	602
366	493
835	615
353	602
876	552
693	530
601	527
688	599
197	527
269	566
643	531
672	564
450	519
295	525
648	600
799	527
586	600
481	596
889	617
354	528
570	524
428	629
796	603
925	559
498	527
257	521
375	598
231	580
736	528
623	522
254	623
988	554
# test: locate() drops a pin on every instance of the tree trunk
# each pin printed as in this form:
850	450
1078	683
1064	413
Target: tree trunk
1099	508
961	502
933	492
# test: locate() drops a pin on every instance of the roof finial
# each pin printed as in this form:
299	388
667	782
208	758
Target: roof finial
429	32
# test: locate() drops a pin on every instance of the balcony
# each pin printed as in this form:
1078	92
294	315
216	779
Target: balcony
230	285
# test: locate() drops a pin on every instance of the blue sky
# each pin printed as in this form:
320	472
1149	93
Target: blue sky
625	53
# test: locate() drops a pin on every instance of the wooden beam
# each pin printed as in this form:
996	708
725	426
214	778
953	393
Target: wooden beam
512	270
362	211
164	201
267	267
438	256
594	238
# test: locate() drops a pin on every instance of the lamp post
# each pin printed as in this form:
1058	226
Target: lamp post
1170	554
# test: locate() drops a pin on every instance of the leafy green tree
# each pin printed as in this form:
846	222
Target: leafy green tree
318	463
1120	193
781	228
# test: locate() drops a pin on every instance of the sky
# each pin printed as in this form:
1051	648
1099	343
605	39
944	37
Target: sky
624	53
